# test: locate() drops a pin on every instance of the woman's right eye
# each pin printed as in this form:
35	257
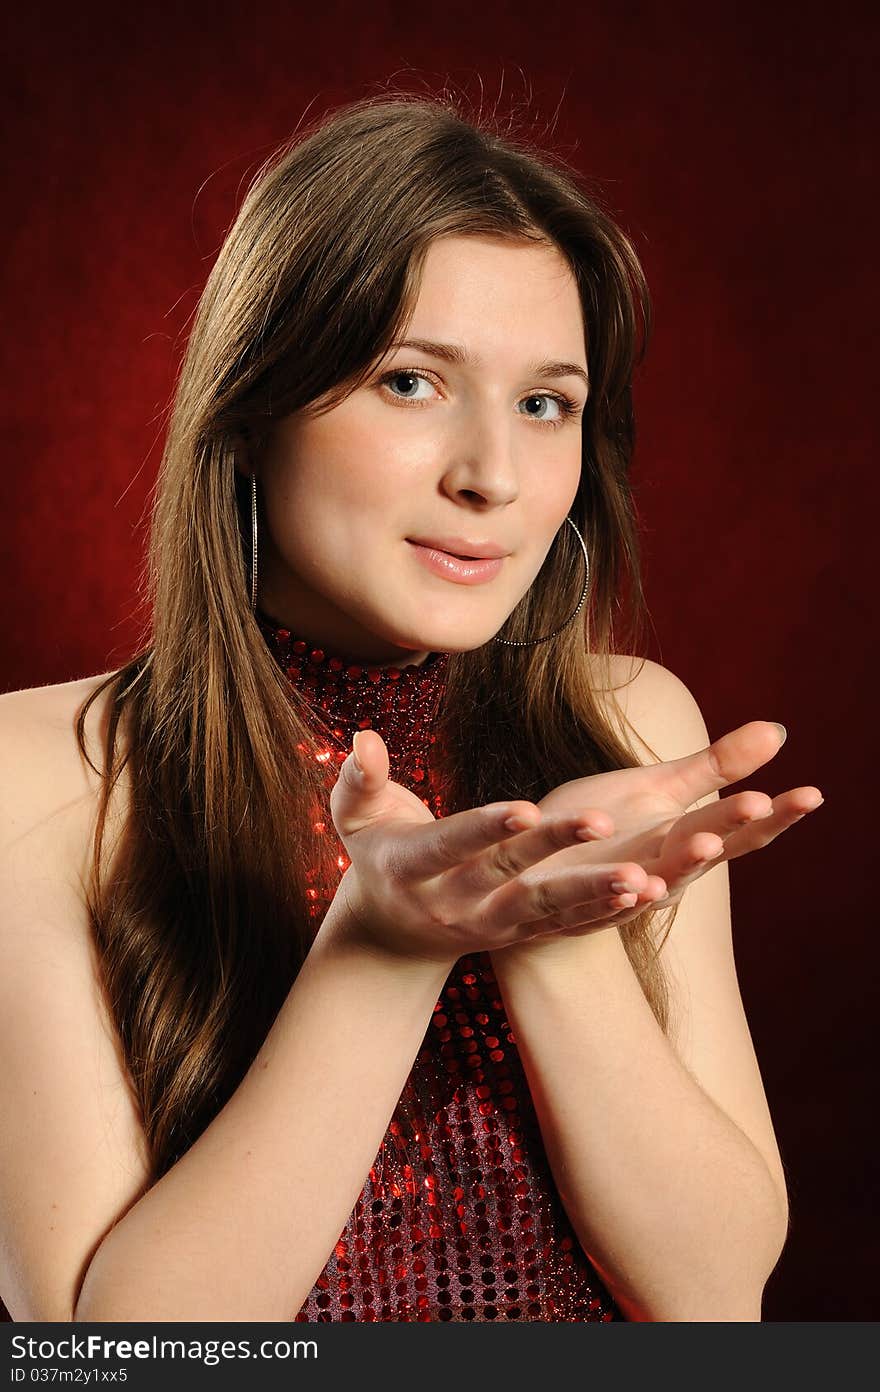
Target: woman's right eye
408	376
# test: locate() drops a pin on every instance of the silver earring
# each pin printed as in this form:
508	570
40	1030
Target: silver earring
254	541
527	643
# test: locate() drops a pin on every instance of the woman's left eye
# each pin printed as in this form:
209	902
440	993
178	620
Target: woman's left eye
564	404
566	407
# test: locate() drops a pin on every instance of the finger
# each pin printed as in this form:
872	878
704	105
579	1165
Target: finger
722	817
617	916
505	860
726	760
426	851
787	809
546	899
615	902
687	862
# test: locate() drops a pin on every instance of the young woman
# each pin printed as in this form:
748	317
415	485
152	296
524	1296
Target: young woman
446	1026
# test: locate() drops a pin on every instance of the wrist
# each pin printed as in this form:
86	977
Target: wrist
344	930
555	951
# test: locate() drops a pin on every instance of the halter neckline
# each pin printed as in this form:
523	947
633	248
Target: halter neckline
346	694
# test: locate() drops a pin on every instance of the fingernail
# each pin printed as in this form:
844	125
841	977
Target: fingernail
358	765
783	733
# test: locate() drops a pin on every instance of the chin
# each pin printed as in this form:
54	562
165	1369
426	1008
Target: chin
446	632
451	639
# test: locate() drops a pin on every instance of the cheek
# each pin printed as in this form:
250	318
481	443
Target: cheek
327	467
551	496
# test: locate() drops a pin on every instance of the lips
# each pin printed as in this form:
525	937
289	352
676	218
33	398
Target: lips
461	548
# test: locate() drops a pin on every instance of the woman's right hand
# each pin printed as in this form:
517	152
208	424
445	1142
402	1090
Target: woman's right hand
434	890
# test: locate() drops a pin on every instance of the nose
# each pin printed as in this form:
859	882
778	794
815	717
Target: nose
482	464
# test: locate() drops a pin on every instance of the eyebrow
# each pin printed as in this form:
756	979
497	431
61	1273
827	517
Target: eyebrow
454	353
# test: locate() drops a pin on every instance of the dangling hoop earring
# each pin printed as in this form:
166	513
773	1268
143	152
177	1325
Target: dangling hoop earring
511	642
254	542
527	643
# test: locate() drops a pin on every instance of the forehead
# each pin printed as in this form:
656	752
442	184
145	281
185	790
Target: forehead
492	289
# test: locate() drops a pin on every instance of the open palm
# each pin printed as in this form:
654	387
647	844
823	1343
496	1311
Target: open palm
642	816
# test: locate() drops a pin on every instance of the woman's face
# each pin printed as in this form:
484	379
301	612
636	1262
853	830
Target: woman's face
480	450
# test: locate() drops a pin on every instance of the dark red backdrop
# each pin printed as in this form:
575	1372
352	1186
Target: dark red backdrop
734	147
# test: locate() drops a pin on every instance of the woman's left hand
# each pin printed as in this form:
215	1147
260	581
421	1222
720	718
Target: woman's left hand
644	836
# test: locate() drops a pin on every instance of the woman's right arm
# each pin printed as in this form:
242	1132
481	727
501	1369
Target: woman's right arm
241	1226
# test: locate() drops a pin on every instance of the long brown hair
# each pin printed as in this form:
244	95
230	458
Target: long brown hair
200	917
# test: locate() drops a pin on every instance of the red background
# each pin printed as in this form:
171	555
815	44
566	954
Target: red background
734	148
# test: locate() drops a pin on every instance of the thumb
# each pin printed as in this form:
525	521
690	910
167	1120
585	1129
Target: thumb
363	777
369	760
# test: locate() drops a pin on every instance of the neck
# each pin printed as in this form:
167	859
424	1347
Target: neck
353	644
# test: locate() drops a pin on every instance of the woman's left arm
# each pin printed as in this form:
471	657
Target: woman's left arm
663	1150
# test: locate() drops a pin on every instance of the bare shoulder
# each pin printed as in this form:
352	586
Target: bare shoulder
656	710
55	789
51	710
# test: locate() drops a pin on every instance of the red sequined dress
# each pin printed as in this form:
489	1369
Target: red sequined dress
459	1218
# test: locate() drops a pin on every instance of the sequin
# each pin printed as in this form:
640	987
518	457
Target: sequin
459	1219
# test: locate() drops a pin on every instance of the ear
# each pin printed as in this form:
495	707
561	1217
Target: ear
248	445
241	455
